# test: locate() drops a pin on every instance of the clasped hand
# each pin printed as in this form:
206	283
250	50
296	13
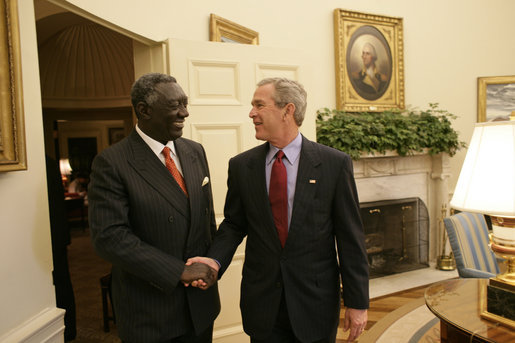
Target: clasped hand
200	272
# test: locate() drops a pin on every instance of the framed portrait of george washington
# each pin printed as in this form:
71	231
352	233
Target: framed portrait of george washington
12	132
369	62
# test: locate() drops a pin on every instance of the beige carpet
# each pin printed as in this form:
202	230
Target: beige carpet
411	323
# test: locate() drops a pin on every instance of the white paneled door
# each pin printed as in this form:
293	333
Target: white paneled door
220	79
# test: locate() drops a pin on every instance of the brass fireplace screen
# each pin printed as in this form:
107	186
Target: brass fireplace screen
396	235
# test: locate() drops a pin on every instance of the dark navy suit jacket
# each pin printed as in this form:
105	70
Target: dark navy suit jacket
325	241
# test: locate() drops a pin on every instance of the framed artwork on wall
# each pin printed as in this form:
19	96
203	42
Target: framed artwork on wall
223	30
369	62
495	98
116	134
12	129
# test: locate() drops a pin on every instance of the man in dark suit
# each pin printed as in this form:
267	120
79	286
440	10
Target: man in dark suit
150	212
290	290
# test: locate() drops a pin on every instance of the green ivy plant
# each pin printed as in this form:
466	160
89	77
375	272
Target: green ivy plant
403	131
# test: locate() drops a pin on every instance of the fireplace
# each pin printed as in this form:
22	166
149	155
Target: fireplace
420	179
396	235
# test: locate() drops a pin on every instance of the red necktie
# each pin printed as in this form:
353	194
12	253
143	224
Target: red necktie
170	165
278	195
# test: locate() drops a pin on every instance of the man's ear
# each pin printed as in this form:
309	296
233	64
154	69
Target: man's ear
289	109
143	109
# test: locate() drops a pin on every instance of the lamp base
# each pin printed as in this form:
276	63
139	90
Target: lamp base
508	254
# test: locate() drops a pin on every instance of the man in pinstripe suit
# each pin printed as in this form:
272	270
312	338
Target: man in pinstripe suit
291	293
147	226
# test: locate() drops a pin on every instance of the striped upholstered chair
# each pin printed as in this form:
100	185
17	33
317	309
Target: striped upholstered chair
468	236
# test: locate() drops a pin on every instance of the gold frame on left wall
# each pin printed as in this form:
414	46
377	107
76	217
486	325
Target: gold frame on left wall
12	127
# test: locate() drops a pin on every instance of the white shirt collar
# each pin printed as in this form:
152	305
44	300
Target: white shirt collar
157	147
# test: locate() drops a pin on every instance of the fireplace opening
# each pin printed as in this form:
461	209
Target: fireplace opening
396	235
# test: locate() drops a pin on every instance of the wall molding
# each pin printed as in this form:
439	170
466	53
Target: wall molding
45	327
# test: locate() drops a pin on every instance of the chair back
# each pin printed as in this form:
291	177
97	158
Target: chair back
468	237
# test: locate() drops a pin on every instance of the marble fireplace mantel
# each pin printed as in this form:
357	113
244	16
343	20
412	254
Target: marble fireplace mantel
390	176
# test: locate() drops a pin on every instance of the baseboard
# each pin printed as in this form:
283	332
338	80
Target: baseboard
46	327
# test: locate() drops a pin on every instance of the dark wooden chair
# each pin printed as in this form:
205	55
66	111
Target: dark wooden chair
76	212
105	285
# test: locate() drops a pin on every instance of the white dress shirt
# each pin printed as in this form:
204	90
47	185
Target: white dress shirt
157	148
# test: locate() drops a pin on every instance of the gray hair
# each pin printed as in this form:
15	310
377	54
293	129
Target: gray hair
143	90
288	91
372	50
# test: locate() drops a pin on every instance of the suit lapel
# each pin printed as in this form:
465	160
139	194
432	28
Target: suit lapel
258	192
193	177
305	188
150	168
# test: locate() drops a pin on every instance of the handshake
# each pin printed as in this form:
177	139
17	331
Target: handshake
200	272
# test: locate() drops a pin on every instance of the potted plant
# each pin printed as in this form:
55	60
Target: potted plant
403	131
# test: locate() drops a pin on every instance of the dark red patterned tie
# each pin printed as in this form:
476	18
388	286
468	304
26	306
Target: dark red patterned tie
170	165
278	195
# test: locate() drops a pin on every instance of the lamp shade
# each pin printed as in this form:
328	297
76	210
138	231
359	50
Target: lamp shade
65	167
487	179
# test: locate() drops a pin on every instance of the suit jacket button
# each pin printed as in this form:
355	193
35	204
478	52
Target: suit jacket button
170	219
207	210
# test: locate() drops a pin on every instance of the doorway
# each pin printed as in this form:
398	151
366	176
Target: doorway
86	72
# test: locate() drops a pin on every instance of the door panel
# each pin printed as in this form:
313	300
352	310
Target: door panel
220	79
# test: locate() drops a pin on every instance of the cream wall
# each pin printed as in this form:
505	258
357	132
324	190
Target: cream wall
26	290
448	44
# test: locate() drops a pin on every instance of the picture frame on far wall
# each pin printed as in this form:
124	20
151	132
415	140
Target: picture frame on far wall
223	30
369	61
12	127
116	134
495	98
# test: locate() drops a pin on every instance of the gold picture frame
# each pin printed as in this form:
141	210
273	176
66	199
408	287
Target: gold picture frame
12	131
223	30
380	40
495	98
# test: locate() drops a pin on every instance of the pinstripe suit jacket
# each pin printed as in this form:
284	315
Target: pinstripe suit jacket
143	224
325	210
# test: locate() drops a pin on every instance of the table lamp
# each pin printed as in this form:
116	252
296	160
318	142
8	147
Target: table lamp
66	171
487	185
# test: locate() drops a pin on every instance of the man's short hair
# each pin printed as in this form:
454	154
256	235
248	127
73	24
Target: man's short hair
288	91
143	89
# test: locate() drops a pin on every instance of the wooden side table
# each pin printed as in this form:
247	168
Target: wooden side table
456	303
